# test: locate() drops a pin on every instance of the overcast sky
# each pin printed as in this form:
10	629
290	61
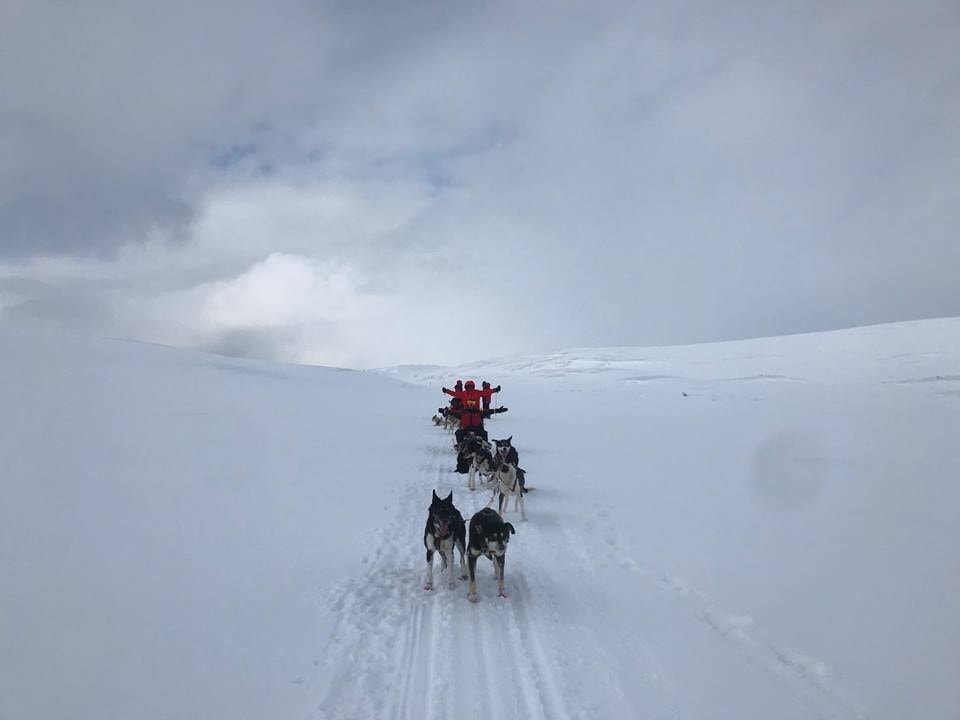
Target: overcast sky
371	183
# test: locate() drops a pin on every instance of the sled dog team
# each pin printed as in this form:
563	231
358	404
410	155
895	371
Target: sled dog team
498	467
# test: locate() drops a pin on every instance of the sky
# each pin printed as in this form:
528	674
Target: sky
374	183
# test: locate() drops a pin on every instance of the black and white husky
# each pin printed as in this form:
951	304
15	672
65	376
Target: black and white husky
506	452
445	530
482	462
474	456
489	536
485	465
509	481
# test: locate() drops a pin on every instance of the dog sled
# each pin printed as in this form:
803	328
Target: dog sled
496	464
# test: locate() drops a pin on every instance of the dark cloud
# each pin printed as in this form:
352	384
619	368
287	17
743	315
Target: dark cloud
108	107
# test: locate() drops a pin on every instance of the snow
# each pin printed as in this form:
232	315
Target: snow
755	529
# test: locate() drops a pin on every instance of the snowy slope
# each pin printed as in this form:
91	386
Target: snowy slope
760	529
169	518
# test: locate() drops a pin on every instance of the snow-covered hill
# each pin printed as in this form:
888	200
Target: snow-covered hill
760	529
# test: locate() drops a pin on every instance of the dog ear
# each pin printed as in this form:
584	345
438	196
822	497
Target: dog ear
449	498
512	531
510	439
435	496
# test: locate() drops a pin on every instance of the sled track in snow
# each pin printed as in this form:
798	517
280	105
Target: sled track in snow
398	652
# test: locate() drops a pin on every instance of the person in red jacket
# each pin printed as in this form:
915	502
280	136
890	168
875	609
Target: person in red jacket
471	415
486	398
470	395
455	402
456	405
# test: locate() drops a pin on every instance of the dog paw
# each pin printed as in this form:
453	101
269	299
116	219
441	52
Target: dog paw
452	585
503	594
428	586
473	597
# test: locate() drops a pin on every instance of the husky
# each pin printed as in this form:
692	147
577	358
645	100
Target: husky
506	452
489	536
445	531
509	481
475	455
483	464
465	448
474	443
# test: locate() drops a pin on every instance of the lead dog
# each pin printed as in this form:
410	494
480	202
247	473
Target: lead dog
489	536
445	530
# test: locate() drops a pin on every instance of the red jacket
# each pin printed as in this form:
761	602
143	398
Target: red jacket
471	414
471	418
471	398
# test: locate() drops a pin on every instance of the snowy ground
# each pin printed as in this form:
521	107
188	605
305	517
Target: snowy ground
761	529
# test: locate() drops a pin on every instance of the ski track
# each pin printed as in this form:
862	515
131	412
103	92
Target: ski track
398	652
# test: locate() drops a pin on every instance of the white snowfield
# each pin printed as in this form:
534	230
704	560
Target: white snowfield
765	529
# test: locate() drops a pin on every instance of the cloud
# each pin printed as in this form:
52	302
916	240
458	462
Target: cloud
294	308
106	107
313	297
287	306
623	174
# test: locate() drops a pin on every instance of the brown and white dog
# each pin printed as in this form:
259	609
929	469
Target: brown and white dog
489	536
